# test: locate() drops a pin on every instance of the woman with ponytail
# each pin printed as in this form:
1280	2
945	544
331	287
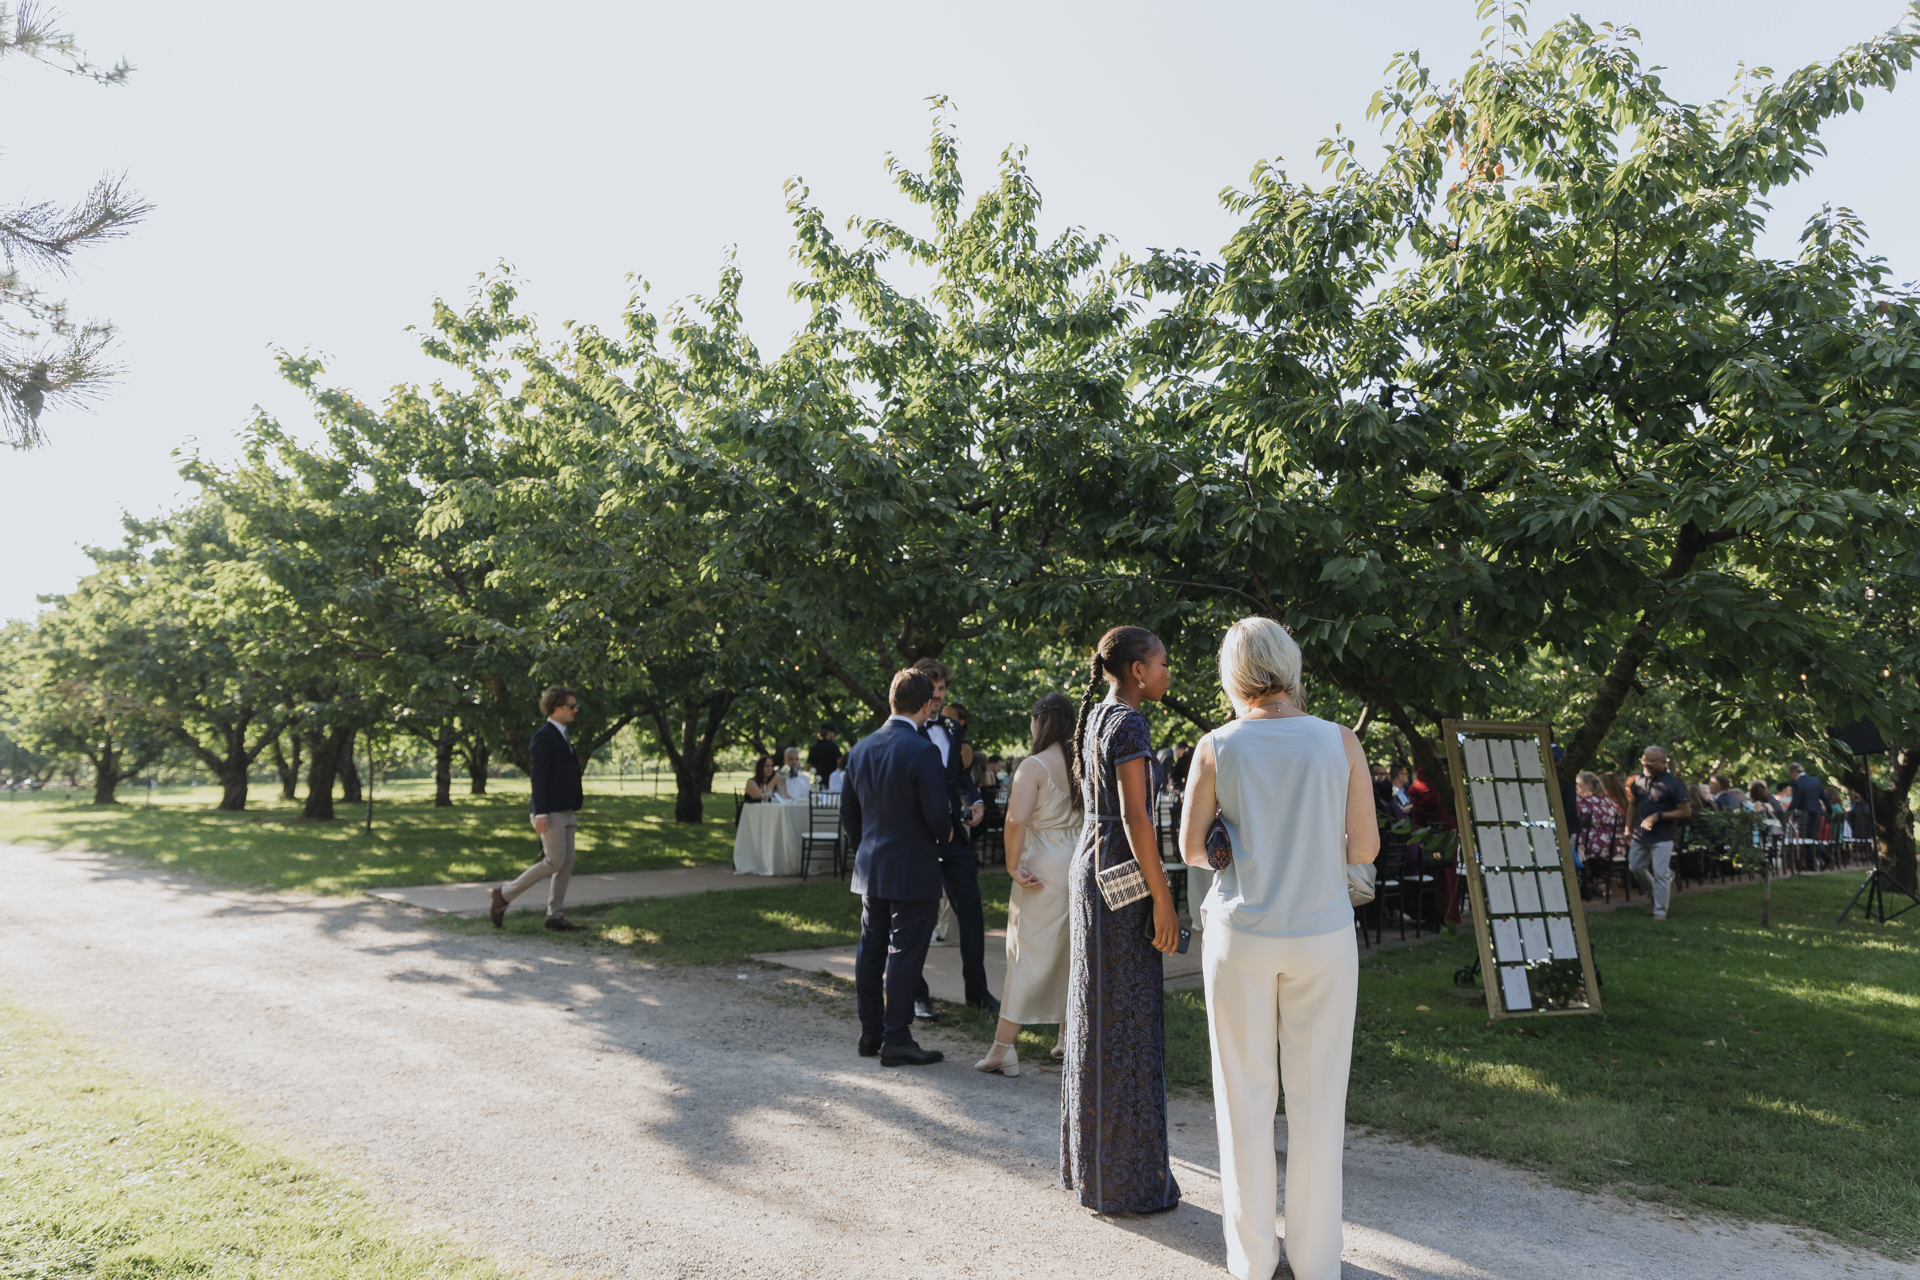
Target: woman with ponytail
1113	1101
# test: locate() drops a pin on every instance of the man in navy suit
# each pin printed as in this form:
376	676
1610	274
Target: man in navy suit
895	805
958	867
556	800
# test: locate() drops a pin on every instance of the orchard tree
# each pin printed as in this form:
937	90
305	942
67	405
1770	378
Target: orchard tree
69	691
1528	383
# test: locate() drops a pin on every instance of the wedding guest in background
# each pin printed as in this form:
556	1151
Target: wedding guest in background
1660	803
1043	821
837	780
1280	959
1401	776
793	783
1770	810
1113	1099
823	757
1601	822
961	717
761	785
1182	761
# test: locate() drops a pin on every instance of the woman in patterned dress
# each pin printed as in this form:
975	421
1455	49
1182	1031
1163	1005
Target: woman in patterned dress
1113	1100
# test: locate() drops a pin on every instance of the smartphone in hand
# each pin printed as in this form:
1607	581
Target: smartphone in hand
1186	936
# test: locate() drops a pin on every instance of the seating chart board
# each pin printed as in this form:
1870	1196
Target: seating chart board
1534	953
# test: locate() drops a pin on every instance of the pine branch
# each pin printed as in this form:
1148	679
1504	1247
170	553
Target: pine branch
31	32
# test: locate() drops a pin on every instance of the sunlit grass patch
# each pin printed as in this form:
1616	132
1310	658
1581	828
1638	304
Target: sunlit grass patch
1739	1070
269	846
106	1176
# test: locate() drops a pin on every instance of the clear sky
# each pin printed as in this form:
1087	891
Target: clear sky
322	173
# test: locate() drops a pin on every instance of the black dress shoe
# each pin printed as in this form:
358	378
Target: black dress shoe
560	924
986	1002
869	1046
923	1010
908	1055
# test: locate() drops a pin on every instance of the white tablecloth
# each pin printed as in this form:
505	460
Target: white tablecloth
768	842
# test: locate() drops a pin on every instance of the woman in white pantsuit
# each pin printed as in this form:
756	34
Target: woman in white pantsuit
1279	953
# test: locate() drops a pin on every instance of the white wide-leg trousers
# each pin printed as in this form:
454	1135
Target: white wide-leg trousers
1299	992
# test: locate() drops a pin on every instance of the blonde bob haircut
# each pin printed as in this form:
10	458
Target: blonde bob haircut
1257	660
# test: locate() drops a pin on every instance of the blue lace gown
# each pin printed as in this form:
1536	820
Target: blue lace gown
1113	1100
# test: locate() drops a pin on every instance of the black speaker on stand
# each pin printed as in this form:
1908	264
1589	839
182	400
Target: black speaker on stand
1863	740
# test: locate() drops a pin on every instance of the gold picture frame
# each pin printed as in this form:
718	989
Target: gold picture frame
1526	923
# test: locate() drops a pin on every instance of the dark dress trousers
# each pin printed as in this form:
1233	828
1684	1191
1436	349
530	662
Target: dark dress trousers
960	870
556	772
894	804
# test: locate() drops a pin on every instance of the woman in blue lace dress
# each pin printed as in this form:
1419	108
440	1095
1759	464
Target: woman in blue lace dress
1113	1101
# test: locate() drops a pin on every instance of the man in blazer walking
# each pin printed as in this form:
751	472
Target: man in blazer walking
556	800
895	805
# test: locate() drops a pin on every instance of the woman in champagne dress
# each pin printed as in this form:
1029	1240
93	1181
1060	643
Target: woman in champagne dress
1043	824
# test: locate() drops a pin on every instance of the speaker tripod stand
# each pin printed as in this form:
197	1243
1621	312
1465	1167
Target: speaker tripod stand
1863	739
1878	887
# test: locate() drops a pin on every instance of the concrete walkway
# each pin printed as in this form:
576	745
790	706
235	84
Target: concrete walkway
611	886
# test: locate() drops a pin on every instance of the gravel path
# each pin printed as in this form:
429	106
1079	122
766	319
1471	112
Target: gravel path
620	1121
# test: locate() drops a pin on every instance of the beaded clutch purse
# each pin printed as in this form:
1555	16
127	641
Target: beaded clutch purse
1122	885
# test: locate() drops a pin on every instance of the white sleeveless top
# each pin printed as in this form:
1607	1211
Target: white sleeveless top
1282	787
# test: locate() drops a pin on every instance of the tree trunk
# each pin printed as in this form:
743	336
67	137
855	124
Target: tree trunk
347	771
325	749
692	754
479	756
233	789
106	773
443	768
288	769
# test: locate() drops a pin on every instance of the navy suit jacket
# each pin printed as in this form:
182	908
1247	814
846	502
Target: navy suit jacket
894	805
962	794
556	773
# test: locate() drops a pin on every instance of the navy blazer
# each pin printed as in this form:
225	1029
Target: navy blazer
962	792
894	806
556	772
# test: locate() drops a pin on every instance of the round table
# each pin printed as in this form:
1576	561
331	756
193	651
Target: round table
768	841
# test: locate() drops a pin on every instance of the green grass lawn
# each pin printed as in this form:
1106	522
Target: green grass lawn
269	846
106	1177
1767	1074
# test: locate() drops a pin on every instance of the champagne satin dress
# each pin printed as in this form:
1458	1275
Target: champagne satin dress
1037	919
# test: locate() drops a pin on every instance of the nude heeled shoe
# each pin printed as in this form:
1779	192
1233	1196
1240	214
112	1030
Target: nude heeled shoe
1007	1064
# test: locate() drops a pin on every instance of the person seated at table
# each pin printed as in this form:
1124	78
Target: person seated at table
761	785
793	783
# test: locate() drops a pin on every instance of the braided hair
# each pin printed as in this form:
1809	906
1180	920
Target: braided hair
1118	650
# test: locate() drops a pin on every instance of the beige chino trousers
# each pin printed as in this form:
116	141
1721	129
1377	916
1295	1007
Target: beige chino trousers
556	848
1299	992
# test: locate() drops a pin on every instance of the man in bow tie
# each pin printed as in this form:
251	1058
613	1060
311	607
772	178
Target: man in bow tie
958	868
